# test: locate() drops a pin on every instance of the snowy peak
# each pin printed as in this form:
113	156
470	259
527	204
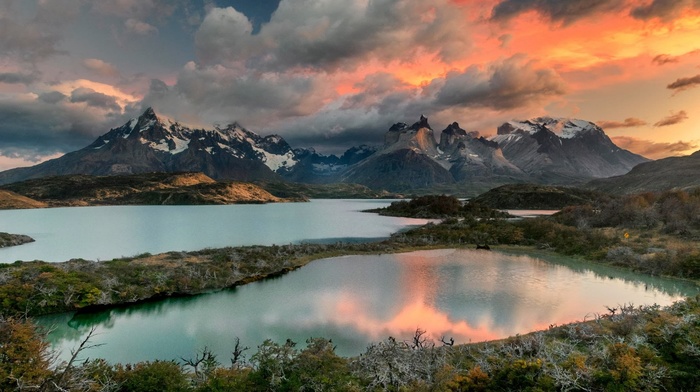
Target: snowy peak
565	128
163	135
563	149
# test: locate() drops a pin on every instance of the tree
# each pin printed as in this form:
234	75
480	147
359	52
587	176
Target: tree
24	356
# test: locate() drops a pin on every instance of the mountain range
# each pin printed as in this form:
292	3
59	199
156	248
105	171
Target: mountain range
542	150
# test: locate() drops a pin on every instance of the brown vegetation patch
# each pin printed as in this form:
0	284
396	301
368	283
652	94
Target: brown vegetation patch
13	201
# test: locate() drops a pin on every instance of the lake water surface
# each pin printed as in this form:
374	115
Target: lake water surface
468	295
354	300
109	232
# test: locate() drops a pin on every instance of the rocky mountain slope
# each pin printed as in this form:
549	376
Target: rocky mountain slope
660	175
555	150
139	189
412	158
153	143
542	150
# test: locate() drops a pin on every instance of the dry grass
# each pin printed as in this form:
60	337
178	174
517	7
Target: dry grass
12	201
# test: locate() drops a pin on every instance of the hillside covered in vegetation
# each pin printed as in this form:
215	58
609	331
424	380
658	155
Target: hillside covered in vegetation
538	197
438	207
138	189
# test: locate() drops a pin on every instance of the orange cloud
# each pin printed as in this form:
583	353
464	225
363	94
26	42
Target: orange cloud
629	122
672	119
684	83
663	59
654	150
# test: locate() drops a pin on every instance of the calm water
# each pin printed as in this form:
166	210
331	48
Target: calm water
465	294
108	232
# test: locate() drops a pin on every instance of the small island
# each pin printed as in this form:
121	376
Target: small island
7	239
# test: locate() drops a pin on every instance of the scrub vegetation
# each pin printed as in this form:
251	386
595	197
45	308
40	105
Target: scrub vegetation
628	349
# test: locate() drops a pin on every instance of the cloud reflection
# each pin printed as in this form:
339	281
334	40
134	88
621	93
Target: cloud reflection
354	300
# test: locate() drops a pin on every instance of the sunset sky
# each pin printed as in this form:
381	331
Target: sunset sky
331	74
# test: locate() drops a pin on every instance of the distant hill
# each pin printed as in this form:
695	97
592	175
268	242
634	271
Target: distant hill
326	191
13	201
538	197
660	175
139	189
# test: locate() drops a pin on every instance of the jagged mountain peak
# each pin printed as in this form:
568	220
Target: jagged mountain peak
149	113
422	123
419	137
454	129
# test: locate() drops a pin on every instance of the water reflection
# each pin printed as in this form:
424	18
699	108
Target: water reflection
464	294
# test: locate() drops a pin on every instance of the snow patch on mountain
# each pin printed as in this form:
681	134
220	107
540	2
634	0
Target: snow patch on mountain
565	128
274	161
180	146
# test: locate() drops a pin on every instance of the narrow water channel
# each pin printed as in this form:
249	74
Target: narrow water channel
354	300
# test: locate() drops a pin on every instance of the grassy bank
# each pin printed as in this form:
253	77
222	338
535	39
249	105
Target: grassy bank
38	288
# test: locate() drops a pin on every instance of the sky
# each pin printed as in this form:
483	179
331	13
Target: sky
331	74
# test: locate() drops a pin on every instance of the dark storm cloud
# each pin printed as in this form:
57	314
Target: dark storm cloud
684	83
18	77
26	42
663	9
137	9
52	97
510	84
94	99
629	122
36	37
35	129
672	119
560	11
286	95
326	35
337	143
